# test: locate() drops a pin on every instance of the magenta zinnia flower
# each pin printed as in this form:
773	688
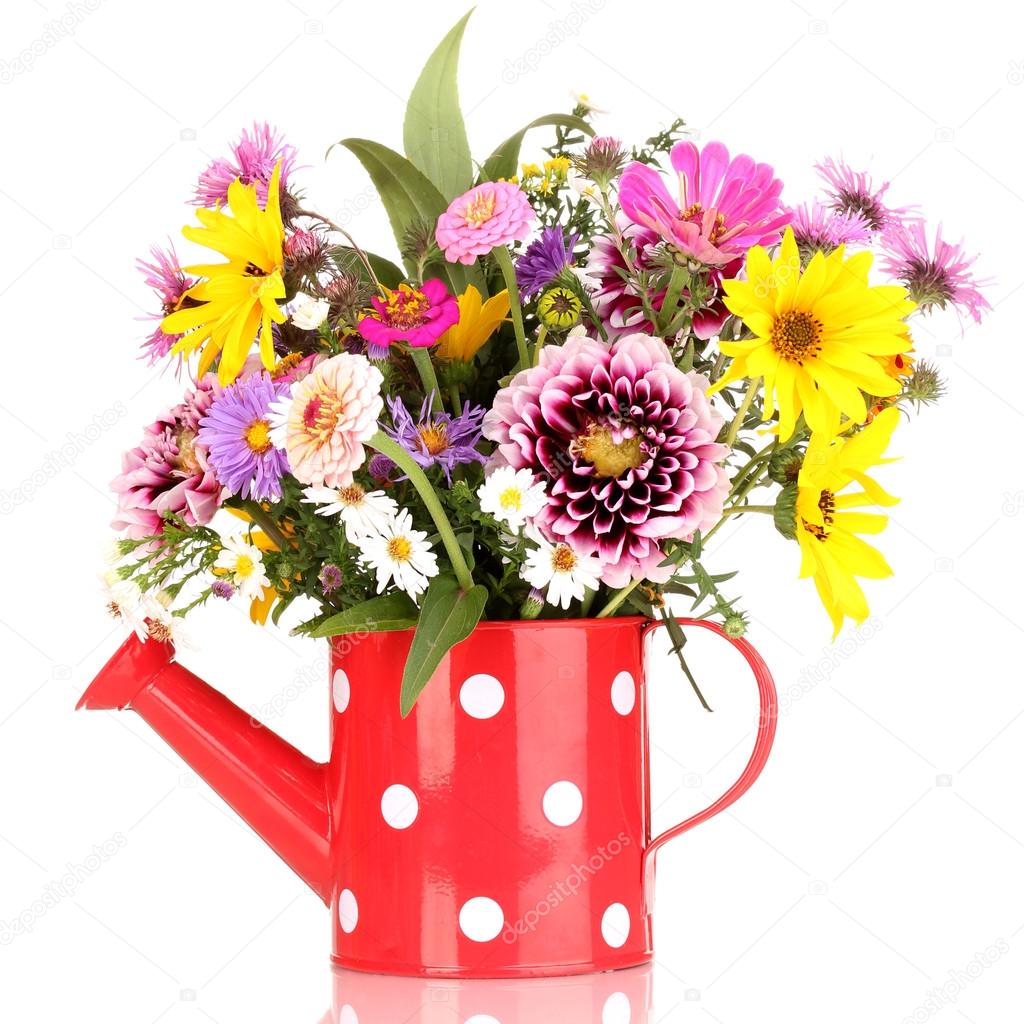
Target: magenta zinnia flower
165	276
626	443
722	208
418	316
819	227
169	471
935	274
853	192
236	434
488	215
255	156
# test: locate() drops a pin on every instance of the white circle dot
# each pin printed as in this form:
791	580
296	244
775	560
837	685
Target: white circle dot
348	1015
617	1009
342	691
399	806
623	693
615	925
481	696
482	1018
348	911
481	919
563	803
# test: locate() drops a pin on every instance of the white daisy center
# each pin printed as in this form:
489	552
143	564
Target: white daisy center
511	499
400	549
563	558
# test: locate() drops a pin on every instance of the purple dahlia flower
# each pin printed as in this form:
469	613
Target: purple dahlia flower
626	443
543	260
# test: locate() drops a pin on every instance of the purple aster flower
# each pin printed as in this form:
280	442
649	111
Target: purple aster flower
934	273
255	156
330	578
852	191
381	468
236	433
438	439
544	259
816	226
165	276
223	589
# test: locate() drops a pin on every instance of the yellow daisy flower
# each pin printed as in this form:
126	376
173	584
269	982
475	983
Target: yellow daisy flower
237	300
817	335
828	516
477	322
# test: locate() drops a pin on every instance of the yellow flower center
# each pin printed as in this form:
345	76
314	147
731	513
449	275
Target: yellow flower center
479	209
608	456
511	498
187	458
563	558
433	437
694	213
257	436
244	566
286	363
796	336
827	504
399	549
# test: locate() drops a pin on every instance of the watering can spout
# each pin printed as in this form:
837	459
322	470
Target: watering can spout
279	791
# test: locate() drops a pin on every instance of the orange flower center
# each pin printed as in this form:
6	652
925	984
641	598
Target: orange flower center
351	495
433	437
796	336
406	308
563	558
399	549
257	436
479	209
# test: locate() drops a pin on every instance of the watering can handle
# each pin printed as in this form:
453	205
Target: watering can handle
762	746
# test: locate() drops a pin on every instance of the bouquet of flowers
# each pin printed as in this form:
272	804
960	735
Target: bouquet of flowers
581	368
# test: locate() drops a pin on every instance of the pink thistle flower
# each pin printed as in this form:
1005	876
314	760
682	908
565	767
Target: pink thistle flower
417	316
819	227
625	442
934	274
325	418
255	156
853	192
165	276
169	471
722	208
488	215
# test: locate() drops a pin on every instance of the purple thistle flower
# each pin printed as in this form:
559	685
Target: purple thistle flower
852	191
935	274
816	226
330	578
255	156
438	439
544	259
381	468
165	276
223	589
236	433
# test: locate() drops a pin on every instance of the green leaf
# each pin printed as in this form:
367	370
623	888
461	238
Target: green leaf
387	273
434	133
378	615
504	161
448	616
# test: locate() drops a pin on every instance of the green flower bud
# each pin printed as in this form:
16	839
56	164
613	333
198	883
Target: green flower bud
784	465
735	625
559	309
533	605
785	511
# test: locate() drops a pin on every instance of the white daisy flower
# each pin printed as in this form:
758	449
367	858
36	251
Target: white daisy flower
155	621
310	313
123	597
361	512
585	100
584	187
400	553
566	574
512	496
242	565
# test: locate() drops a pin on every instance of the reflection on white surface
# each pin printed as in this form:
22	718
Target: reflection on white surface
616	997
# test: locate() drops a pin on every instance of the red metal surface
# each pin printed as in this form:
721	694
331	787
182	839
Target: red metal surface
500	830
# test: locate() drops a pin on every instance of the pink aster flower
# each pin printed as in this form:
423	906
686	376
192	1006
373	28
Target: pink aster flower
488	215
417	316
819	227
625	442
169	471
853	192
165	276
326	416
935	274
722	207
255	156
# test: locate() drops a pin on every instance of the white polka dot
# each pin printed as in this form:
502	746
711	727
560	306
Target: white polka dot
482	1018
348	911
342	691
563	803
615	925
481	919
348	1015
481	696
623	693
399	806
617	1009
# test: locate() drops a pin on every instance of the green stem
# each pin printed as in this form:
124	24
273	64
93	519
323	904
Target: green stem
542	333
504	261
741	412
425	368
265	523
617	598
456	398
738	510
400	457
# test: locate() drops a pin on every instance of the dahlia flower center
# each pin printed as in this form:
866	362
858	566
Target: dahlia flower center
351	495
257	436
399	549
563	558
187	459
433	437
608	456
827	504
479	209
406	308
511	499
796	335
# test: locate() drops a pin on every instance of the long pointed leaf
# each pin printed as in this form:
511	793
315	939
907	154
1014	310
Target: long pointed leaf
504	161
377	615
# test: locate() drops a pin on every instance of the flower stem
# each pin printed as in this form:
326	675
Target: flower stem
741	412
253	510
542	333
456	399
737	510
425	368
504	261
400	457
617	598
363	258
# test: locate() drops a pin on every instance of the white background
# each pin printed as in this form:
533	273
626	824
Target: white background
880	853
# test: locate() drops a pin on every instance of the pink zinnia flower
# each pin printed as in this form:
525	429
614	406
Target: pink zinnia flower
324	420
819	227
169	471
418	316
165	276
935	274
255	156
625	442
853	192
488	215
722	208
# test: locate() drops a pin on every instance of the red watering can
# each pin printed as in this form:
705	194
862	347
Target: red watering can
501	830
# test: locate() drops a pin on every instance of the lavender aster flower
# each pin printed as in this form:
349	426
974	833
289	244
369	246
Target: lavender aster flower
222	589
236	431
438	439
819	227
544	259
255	156
330	578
